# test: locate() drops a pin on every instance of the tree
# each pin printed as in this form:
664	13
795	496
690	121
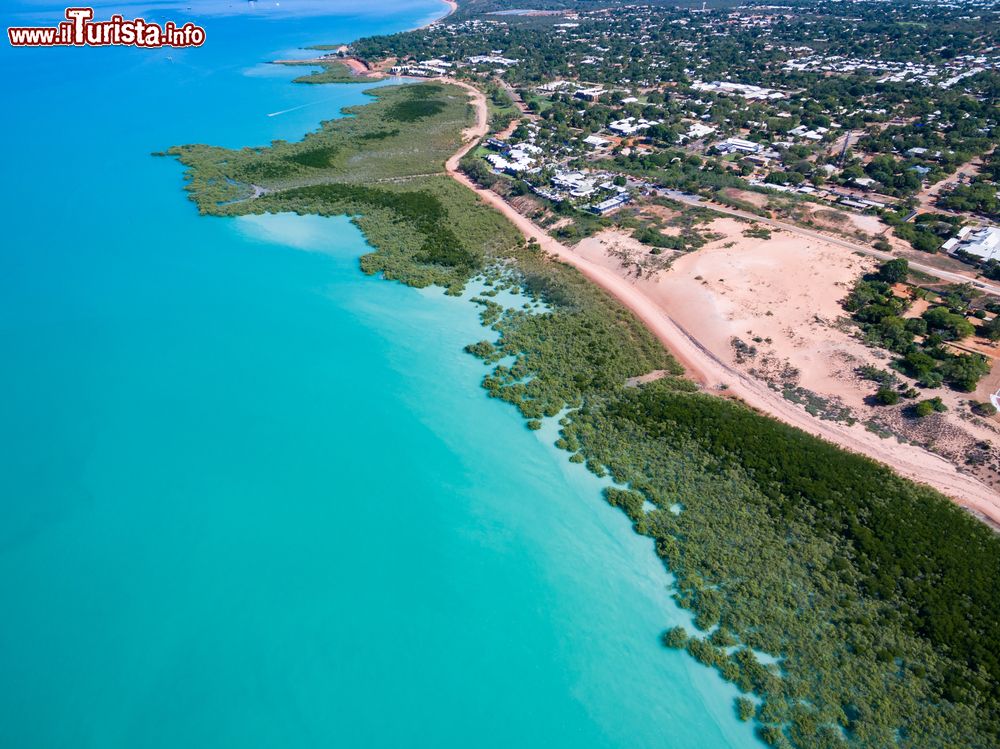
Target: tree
929	406
894	271
746	708
947	324
917	364
926	242
964	372
478	171
991	329
894	334
675	637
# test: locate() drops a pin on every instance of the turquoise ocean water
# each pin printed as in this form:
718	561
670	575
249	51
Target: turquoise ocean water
252	498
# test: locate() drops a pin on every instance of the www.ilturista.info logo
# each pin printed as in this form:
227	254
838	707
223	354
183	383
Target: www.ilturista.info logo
80	30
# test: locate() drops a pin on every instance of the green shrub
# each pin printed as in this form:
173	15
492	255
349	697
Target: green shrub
983	409
927	407
746	708
886	397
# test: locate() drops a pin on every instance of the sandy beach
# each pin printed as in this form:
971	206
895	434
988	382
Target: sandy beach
360	67
685	319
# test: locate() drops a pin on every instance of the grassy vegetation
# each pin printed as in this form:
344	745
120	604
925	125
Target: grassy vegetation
332	71
880	598
405	131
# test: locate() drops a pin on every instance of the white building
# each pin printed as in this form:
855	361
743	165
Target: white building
498	162
595	141
605	206
983	243
492	60
525	150
576	184
590	94
427	69
553	86
515	163
631	126
747	91
695	132
814	135
739	145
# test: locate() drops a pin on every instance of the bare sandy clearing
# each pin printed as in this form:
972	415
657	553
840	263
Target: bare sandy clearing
780	295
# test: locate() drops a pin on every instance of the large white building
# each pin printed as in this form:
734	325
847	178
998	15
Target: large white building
595	141
747	91
697	130
576	184
739	145
492	60
631	125
983	243
606	206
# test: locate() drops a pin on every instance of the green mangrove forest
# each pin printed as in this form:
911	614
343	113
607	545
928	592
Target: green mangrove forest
851	607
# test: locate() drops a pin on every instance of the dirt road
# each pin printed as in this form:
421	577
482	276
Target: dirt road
927	197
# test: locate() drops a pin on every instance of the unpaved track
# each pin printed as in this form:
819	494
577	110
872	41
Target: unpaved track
715	375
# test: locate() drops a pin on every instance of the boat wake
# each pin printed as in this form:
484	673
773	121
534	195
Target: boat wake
292	109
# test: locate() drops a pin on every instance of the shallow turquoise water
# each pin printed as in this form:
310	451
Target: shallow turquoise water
253	498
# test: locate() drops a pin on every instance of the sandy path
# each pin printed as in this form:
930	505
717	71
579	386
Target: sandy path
358	67
472	134
701	364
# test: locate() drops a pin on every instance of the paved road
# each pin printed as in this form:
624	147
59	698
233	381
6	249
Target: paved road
944	275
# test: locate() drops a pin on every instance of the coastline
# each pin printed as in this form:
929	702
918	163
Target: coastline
714	375
616	331
452	8
358	67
